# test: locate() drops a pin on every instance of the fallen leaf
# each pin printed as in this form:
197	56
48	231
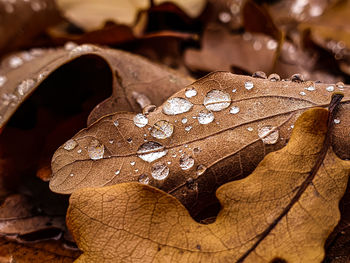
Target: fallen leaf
193	8
282	212
216	130
46	251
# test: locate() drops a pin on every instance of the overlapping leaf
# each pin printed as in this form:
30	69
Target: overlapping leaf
216	130
283	211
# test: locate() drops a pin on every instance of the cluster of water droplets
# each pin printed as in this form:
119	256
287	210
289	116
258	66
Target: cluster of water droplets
151	151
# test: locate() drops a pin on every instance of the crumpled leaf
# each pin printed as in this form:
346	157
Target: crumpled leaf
46	251
231	123
282	212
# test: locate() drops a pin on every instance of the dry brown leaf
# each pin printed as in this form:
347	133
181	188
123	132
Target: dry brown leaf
47	251
190	154
282	212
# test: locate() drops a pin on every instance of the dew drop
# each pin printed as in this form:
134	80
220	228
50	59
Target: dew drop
302	93
197	150
132	163
225	17
117	172
340	85
217	100
184	120
259	74
274	77
9	99
268	134
111	141
248	85
25	86
70	45
71	175
96	150
129	140
297	78
15	62
140	120
162	130
85	48
151	151
3	80
186	162
234	90
188	128
176	106
70	145
201	169
330	88
271	44
205	117
79	151
190	92
250	129
311	88
160	171
116	123
336	121
42	75
234	110
143	179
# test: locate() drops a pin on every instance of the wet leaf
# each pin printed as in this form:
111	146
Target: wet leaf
283	211
46	251
214	131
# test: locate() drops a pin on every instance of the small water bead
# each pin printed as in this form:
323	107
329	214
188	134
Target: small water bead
234	90
3	80
188	128
71	175
302	93
274	77
42	75
268	134
111	141
190	92
70	145
330	88
336	121
15	62
79	151
25	86
339	85
85	48
151	151
184	120
26	56
132	163
217	100
248	85
200	169
250	129
140	120
70	45
162	129
129	140
297	78
234	110
259	74
311	88
9	99
224	17
116	123
197	150
205	117
186	162
96	150
271	44
175	106
160	171
143	179
117	172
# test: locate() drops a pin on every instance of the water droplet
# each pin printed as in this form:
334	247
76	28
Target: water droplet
248	85
160	171
184	120
116	123
197	150
85	48
274	77
340	85
71	175
225	17
250	129
186	162
8	98
143	179
140	120
129	140
268	134
42	75
259	74
188	128
117	172
162	129
234	90
311	88
3	80
201	169
70	45
26	56
96	150
217	100
151	151
111	141
336	121
15	62
25	86
271	44
132	163
79	151
176	106
234	110
330	88
205	117
190	92
302	93
297	78
70	145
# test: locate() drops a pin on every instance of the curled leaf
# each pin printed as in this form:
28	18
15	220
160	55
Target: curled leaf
283	211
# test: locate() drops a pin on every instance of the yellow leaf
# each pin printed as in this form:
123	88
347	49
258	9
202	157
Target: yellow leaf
284	210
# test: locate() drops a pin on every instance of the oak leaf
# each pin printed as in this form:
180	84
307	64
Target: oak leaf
216	130
283	211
